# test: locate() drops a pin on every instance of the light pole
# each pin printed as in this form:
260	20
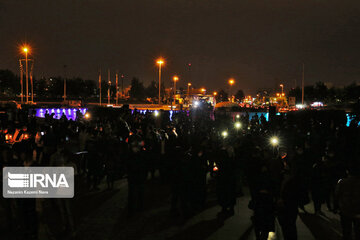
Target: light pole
25	49
160	61
117	88
231	82
122	86
282	89
65	83
31	81
21	81
188	90
100	87
109	82
175	79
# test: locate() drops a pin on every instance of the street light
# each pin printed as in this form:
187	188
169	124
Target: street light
231	82
203	90
237	125
160	62
282	88
188	90
175	79
26	50
214	93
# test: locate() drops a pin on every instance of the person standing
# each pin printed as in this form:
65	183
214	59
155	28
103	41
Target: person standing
137	171
347	195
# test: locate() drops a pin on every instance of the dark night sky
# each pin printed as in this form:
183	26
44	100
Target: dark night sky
254	41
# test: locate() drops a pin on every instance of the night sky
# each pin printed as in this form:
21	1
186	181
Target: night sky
258	42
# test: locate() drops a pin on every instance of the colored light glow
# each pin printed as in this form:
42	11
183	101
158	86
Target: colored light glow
70	113
237	125
156	113
224	134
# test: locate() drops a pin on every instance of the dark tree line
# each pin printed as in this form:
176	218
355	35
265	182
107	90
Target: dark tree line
320	92
80	88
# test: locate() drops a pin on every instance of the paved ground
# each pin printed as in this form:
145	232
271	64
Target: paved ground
101	215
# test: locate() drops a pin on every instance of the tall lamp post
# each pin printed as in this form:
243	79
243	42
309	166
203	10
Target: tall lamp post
21	82
26	50
231	82
188	90
109	86
117	88
160	62
282	89
175	79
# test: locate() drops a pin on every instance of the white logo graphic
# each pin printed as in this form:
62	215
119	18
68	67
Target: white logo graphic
38	182
18	180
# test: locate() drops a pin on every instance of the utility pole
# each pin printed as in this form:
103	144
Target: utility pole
65	83
159	83
302	84
122	86
27	77
100	85
109	85
21	81
117	88
31	81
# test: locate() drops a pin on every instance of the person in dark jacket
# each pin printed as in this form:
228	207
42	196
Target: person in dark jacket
288	203
226	181
137	175
348	196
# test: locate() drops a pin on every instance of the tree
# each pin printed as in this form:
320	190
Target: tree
321	91
152	90
222	96
9	83
137	90
239	95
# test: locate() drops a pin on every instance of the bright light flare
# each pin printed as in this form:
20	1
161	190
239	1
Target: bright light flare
237	125
175	78
231	81
274	141
196	104
156	113
224	134
160	61
215	93
87	115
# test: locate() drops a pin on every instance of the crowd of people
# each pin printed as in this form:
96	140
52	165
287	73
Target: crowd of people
285	162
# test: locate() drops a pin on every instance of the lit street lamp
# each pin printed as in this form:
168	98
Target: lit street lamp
231	82
160	61
175	79
188	91
26	50
282	88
